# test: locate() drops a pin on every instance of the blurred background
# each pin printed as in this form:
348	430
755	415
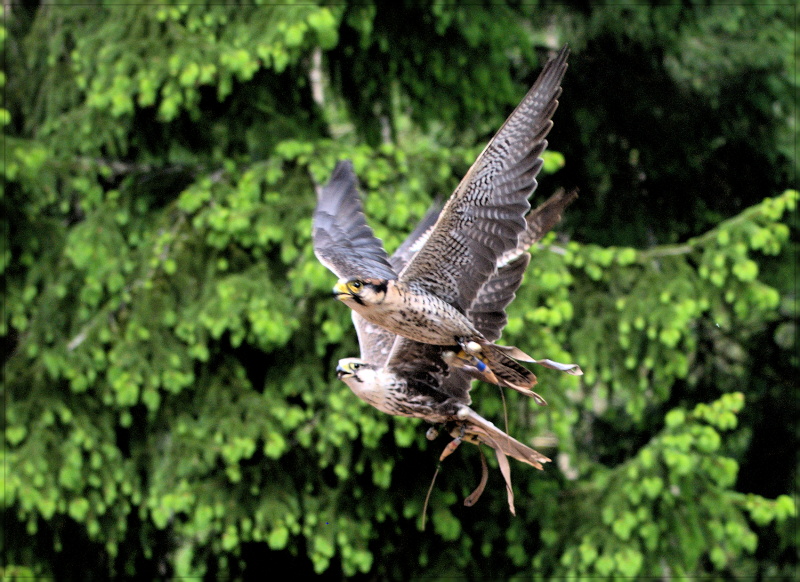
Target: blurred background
170	401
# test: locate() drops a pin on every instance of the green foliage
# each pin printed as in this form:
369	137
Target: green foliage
651	307
649	505
170	402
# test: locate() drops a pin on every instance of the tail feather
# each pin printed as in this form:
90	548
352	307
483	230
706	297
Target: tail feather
573	369
503	370
487	433
505	469
495	364
514	352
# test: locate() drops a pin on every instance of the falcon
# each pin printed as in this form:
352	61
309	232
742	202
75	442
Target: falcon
402	377
428	299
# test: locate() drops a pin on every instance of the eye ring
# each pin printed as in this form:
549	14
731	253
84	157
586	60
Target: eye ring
356	285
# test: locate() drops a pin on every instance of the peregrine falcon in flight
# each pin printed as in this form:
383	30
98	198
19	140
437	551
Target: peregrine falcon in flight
403	377
427	300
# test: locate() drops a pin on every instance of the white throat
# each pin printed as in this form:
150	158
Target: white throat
371	386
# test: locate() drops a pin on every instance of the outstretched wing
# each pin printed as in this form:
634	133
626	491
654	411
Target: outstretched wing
488	311
343	241
485	215
539	222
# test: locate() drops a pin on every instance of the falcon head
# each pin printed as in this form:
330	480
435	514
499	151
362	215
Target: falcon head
361	291
355	371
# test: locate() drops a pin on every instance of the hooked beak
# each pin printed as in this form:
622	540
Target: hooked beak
342	372
340	291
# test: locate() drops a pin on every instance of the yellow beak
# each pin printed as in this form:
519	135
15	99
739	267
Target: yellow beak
340	290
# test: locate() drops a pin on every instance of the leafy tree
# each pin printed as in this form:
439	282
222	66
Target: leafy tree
170	406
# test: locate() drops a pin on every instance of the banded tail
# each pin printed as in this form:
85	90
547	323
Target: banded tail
502	368
487	433
473	428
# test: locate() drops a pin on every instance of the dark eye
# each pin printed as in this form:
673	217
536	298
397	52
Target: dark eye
356	366
355	285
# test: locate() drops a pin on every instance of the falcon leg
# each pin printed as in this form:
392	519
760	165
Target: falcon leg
482	365
474	360
462	360
474	350
471	362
